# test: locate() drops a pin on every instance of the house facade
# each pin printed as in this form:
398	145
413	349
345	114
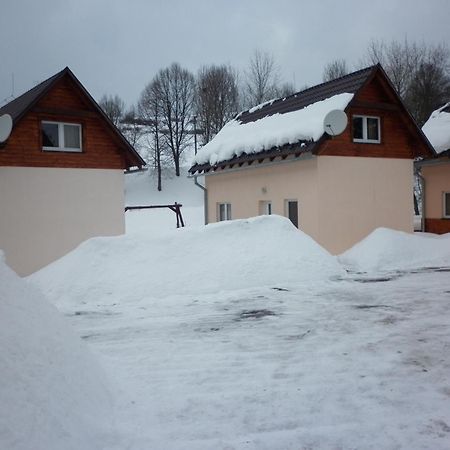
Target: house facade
436	173
336	188
61	173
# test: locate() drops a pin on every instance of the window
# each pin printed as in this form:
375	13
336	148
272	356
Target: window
292	211
366	129
62	137
224	211
447	205
265	208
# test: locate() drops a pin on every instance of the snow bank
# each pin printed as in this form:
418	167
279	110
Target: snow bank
52	394
387	250
437	128
235	138
266	251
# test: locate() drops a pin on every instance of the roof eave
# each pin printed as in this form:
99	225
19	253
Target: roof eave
274	152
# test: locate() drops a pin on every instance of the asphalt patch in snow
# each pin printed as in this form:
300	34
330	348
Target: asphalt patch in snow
255	314
374	280
371	306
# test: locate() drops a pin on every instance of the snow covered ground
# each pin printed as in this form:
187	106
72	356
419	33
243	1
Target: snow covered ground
238	335
261	340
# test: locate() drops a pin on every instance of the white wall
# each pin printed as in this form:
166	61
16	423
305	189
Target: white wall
358	195
46	212
340	199
246	188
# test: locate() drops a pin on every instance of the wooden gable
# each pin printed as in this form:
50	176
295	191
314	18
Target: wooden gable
400	137
65	100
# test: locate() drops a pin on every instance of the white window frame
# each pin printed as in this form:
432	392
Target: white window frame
227	209
61	147
265	208
365	139
445	195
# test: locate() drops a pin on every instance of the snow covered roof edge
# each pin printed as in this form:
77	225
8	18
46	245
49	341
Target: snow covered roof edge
276	130
437	129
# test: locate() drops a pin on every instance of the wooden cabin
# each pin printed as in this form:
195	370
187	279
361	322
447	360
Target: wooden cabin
276	158
436	173
61	173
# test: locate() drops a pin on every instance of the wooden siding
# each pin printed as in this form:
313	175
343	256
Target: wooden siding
99	149
398	139
438	226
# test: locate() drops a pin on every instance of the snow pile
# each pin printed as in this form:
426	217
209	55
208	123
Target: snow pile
386	250
437	129
51	391
265	251
235	138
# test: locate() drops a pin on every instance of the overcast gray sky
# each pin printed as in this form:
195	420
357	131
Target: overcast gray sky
117	46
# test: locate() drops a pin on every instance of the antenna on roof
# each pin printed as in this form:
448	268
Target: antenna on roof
5	127
335	122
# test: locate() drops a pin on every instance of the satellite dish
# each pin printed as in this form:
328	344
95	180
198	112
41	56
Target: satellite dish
6	124
335	122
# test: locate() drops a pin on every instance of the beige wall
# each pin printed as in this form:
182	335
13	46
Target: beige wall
244	189
358	195
437	181
46	212
341	199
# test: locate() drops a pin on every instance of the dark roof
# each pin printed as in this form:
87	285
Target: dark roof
350	83
18	107
282	152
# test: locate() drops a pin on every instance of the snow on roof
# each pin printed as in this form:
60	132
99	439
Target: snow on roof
305	124
437	128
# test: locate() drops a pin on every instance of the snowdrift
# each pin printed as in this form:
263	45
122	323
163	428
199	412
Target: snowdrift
386	250
229	255
51	389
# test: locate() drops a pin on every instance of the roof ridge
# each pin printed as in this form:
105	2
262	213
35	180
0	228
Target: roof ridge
275	101
334	80
36	87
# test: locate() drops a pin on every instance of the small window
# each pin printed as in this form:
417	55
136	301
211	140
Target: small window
62	137
447	205
265	208
292	211
366	129
224	211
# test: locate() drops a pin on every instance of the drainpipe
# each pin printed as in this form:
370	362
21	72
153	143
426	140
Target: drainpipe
422	200
205	198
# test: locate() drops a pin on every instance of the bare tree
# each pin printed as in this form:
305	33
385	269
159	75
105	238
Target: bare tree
114	108
430	86
174	90
335	69
419	73
150	114
286	89
400	60
261	79
132	127
216	99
